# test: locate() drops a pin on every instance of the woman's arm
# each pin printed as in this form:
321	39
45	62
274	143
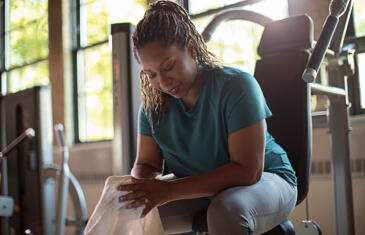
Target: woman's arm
148	163
246	148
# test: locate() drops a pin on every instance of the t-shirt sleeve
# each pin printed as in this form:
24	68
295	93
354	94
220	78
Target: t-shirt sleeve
144	126
245	104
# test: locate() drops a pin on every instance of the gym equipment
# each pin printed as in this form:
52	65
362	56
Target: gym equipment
126	98
23	178
337	9
278	48
77	195
30	170
7	203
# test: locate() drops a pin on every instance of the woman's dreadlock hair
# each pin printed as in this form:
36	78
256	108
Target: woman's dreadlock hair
168	23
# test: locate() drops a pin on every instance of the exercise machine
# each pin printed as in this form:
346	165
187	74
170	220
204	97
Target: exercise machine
126	98
279	46
28	172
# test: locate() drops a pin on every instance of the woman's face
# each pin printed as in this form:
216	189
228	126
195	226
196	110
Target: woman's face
169	69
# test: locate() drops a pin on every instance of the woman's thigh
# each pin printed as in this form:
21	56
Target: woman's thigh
177	216
254	208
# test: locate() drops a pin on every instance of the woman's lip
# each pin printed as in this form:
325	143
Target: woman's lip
174	90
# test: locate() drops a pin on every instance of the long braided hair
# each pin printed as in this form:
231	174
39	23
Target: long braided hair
168	23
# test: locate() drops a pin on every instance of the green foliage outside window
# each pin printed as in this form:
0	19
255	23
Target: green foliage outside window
235	42
28	76
359	20
359	17
28	42
97	96
28	31
95	70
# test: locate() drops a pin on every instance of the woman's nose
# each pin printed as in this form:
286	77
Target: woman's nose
165	82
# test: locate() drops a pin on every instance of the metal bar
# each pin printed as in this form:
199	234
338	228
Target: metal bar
93	45
75	29
341	159
27	133
26	64
79	203
339	35
63	185
319	89
358	41
234	14
226	7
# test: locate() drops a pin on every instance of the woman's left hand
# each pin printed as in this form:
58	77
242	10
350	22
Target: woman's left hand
151	192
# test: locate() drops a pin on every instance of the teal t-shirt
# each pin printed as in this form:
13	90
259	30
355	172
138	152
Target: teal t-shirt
196	141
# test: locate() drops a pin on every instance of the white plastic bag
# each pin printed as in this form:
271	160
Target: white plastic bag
110	217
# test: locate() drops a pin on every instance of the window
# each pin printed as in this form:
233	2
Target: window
235	42
92	63
359	23
24	44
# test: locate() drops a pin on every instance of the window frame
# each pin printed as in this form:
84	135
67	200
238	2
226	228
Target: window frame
76	44
5	17
2	42
77	48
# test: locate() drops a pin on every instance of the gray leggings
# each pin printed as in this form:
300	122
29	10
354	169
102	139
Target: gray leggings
238	210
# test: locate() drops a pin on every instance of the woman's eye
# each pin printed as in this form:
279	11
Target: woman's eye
151	75
170	66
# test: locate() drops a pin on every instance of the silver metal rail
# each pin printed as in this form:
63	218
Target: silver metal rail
235	14
340	128
76	193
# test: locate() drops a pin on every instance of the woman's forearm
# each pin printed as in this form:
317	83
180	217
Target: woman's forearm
143	171
213	182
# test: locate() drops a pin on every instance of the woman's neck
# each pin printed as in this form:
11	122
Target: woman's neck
190	100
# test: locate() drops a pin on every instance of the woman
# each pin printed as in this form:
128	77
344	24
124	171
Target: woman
207	123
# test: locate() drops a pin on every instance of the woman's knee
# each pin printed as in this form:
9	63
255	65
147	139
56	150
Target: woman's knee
225	215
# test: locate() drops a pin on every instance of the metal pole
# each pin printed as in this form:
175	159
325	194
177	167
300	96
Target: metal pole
63	183
341	160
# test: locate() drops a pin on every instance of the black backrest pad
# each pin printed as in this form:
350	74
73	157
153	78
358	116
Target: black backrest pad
287	95
293	33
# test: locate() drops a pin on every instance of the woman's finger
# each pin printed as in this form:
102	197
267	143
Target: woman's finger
137	203
147	209
129	187
132	196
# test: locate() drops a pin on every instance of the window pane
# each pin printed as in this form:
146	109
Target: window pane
97	15
95	94
94	22
235	42
359	17
28	76
361	66
200	6
275	9
126	11
28	31
202	22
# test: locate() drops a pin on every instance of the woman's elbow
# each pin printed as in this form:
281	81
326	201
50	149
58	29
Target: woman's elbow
254	176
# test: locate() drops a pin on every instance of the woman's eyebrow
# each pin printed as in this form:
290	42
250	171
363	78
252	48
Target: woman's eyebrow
166	59
163	61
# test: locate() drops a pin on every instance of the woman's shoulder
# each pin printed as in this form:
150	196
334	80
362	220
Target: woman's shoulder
226	77
227	73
